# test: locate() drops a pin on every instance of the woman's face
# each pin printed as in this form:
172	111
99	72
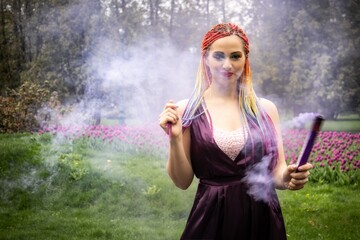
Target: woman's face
226	59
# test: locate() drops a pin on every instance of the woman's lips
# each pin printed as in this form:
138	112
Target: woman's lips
227	74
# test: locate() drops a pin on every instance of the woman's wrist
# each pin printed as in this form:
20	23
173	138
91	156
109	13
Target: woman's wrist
286	185
176	140
281	184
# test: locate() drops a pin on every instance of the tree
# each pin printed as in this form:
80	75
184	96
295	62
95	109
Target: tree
11	45
304	51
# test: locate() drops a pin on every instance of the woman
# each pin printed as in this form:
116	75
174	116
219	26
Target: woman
231	141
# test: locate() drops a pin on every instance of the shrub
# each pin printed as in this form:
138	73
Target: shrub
18	111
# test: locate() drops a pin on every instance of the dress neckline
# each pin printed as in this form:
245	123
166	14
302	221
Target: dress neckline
210	126
228	131
231	143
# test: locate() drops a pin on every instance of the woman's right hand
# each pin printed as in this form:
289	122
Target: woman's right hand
170	118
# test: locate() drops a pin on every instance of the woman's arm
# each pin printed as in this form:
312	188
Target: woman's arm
179	164
285	177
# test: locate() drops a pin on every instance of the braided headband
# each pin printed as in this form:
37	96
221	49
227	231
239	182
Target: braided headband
223	30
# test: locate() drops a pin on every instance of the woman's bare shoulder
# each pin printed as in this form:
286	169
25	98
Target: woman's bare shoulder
183	102
182	105
270	108
267	104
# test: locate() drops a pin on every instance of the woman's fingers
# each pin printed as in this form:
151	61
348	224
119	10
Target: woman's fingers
297	179
297	182
292	186
300	175
305	167
164	121
171	105
169	115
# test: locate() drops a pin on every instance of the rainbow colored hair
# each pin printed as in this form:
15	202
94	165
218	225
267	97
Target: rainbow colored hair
251	110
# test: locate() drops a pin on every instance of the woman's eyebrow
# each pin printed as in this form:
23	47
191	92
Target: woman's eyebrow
236	52
223	53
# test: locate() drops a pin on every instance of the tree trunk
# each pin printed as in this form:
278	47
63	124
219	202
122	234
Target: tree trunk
154	12
208	12
10	44
223	10
19	34
151	12
117	11
171	23
4	58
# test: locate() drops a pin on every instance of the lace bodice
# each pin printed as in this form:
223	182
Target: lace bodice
230	142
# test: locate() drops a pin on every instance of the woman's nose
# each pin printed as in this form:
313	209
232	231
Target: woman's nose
227	64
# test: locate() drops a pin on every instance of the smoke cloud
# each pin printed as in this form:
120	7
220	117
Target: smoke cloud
260	181
136	87
300	121
154	73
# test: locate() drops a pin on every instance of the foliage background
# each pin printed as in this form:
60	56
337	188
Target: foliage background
111	55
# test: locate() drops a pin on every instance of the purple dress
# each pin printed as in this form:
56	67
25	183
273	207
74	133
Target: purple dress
223	207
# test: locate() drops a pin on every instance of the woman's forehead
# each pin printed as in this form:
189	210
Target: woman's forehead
231	43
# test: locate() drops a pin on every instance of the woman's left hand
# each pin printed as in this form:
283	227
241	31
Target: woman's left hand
295	180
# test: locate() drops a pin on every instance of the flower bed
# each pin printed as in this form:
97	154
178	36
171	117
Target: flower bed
147	138
335	155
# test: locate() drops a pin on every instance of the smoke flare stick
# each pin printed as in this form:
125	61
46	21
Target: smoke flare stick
169	127
309	141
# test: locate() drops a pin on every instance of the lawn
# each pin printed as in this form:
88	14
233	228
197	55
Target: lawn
322	211
97	188
346	125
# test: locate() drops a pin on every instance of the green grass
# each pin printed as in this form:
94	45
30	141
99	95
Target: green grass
352	126
343	125
322	212
72	191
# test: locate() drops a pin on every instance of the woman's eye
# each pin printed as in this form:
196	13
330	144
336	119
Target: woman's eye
236	56
218	56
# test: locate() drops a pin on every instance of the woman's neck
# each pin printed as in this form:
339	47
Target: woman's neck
228	93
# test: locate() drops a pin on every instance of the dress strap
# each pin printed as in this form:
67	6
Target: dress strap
208	118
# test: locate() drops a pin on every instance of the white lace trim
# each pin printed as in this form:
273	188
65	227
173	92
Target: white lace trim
230	142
